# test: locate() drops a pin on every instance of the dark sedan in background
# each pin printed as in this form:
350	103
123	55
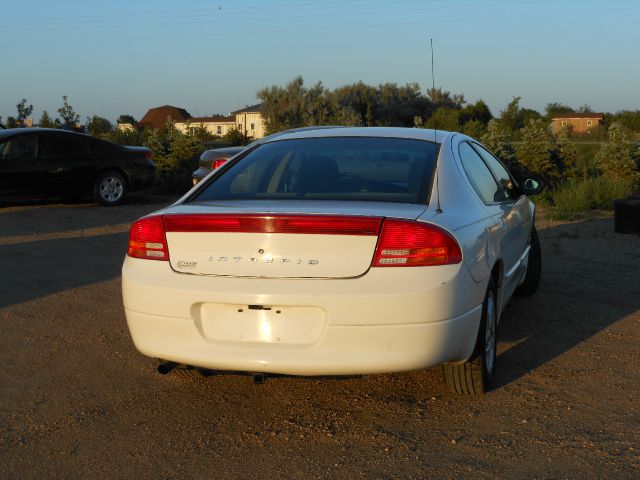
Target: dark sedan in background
48	162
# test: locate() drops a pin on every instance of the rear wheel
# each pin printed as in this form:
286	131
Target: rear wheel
534	267
476	374
110	189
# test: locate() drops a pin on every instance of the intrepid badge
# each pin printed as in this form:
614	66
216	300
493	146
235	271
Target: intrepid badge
185	264
281	260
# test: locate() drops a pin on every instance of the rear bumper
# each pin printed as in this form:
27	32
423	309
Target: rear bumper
385	321
342	350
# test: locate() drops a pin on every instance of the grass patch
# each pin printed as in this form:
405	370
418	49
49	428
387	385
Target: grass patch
574	197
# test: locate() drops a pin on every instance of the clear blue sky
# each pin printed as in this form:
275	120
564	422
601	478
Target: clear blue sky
212	56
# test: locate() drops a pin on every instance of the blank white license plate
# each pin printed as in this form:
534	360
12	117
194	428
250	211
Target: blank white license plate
263	324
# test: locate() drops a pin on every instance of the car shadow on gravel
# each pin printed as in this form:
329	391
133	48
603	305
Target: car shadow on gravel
35	269
47	248
589	282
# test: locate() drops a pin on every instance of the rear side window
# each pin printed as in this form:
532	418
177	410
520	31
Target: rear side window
62	146
22	147
479	175
345	168
500	173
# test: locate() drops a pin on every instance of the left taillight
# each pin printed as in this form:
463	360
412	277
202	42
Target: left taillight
147	239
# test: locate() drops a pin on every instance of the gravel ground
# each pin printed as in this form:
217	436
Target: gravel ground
78	401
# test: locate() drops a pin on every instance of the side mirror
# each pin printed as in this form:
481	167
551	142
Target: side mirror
532	187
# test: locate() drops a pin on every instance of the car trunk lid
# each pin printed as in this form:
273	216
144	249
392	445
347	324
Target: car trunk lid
285	242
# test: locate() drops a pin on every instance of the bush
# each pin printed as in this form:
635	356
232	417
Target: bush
176	156
574	197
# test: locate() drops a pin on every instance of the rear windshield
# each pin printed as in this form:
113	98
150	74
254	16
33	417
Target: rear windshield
344	168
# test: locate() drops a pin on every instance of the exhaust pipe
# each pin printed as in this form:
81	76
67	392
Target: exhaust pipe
164	367
259	378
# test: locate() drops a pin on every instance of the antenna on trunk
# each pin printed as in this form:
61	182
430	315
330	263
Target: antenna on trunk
435	135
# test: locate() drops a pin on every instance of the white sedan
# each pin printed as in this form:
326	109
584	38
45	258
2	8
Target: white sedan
337	252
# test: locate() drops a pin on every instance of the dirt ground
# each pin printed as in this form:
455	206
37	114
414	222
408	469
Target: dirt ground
78	401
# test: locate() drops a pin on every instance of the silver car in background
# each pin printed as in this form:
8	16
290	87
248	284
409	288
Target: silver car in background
213	159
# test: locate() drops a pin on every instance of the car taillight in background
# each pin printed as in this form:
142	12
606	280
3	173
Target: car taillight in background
218	162
147	239
404	243
148	155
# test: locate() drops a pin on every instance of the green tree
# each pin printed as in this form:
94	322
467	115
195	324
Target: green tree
614	157
46	121
510	117
199	131
97	126
361	99
535	151
358	104
629	119
568	158
176	156
476	111
69	118
445	118
474	128
127	119
24	111
497	139
395	106
555	108
283	108
237	137
442	98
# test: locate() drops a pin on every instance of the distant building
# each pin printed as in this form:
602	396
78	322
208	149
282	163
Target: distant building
247	120
215	125
250	121
157	117
576	122
126	127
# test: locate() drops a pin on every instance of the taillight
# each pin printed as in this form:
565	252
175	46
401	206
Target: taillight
147	239
404	243
217	163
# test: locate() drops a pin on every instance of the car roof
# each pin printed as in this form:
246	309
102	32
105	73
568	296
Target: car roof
16	131
429	135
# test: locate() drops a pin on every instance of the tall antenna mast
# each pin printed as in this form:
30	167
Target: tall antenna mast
433	88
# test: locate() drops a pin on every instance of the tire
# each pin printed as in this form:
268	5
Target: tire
534	268
110	189
475	376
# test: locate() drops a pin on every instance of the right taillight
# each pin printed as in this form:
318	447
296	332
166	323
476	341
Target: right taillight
217	163
405	243
147	239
